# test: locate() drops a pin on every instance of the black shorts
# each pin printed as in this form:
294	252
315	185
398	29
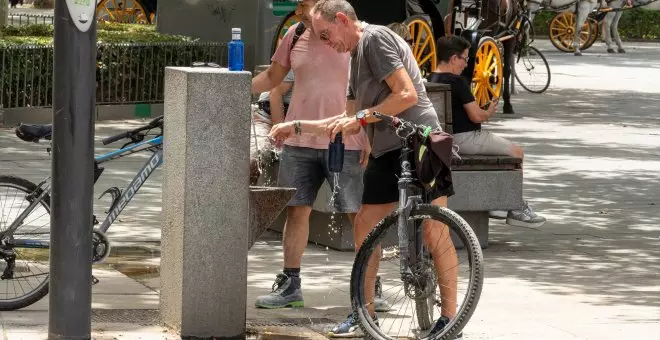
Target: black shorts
381	180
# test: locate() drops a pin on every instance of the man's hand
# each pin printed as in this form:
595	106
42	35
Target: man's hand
346	125
280	132
364	156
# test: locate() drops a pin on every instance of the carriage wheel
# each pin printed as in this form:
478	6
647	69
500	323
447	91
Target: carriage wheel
123	11
562	32
423	44
289	20
594	29
488	71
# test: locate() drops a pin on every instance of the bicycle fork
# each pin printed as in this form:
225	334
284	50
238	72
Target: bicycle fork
406	204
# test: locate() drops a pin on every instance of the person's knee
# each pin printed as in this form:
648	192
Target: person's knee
297	215
517	151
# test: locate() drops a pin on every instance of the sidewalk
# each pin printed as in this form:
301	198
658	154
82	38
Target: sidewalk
592	168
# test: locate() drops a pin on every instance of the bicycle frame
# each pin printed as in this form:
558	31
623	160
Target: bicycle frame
154	144
153	163
406	204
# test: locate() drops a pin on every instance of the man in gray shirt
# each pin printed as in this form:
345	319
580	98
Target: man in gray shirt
384	78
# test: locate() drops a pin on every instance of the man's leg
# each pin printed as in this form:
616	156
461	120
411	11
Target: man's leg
486	143
437	239
299	168
295	236
379	198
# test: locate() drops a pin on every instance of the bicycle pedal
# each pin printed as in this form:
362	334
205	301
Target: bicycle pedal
94	280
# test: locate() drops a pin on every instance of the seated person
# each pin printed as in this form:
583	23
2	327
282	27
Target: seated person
467	117
270	109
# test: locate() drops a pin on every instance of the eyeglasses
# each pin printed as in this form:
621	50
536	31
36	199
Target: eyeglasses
466	59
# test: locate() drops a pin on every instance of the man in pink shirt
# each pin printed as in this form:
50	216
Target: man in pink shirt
319	92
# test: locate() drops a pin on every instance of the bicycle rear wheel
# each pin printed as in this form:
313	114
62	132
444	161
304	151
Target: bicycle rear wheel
24	262
419	316
532	70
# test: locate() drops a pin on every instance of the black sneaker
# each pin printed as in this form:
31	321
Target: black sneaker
286	293
442	322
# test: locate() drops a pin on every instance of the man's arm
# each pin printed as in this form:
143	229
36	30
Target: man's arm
350	107
477	114
270	78
403	95
276	107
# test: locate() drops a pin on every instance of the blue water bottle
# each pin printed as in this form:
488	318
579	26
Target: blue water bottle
336	154
236	50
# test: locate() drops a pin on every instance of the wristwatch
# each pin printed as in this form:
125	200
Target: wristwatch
362	117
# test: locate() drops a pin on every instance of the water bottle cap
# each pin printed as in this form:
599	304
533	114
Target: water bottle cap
235	30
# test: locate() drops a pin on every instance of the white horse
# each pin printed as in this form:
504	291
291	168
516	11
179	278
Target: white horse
611	21
581	6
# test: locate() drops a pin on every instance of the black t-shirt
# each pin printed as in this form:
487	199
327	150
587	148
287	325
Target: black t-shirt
460	95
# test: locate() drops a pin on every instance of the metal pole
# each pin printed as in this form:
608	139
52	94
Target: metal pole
69	314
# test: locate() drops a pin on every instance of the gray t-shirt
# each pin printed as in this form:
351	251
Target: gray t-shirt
286	98
379	53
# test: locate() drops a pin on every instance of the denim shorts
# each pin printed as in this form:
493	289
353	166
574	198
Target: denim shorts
305	169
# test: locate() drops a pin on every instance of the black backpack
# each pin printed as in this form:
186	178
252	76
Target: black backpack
300	29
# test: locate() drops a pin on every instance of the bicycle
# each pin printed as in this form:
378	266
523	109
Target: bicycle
414	268
533	60
35	245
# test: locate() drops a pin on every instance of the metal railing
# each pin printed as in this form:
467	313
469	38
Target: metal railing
125	73
23	19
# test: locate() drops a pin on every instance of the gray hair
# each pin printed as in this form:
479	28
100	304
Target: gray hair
329	9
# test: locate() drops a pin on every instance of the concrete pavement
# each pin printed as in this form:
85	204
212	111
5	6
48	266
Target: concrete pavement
592	168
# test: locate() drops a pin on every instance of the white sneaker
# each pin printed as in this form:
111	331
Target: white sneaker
525	217
498	214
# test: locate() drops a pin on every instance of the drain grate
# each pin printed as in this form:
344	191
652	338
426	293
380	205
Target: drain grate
142	317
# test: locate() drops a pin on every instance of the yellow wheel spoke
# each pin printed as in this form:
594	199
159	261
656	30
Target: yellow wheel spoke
425	59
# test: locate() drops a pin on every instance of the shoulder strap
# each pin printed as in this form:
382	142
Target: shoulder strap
300	29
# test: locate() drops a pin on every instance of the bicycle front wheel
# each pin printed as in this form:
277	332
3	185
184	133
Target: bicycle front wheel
24	253
532	70
438	281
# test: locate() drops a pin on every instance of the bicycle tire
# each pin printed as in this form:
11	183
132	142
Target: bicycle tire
422	310
547	68
42	289
467	236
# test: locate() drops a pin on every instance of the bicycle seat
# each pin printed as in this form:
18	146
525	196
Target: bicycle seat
33	133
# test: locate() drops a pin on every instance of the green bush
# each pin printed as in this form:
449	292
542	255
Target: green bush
130	59
42	35
634	24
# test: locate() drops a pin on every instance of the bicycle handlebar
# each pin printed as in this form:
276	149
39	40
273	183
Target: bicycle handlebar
157	122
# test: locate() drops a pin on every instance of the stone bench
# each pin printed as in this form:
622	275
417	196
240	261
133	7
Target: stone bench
481	184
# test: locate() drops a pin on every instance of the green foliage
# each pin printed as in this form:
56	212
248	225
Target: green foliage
42	35
634	24
130	59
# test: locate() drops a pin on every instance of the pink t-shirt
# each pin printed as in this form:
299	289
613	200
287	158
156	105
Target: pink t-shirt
319	89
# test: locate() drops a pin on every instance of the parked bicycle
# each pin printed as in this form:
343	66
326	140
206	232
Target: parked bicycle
413	269
25	215
530	68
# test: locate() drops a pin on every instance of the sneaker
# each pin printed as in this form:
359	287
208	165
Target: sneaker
380	304
498	214
440	325
286	293
350	328
524	217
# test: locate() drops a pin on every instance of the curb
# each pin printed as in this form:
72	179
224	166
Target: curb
44	115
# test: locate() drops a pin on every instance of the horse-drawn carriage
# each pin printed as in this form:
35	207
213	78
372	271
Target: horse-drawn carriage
127	11
492	27
562	29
